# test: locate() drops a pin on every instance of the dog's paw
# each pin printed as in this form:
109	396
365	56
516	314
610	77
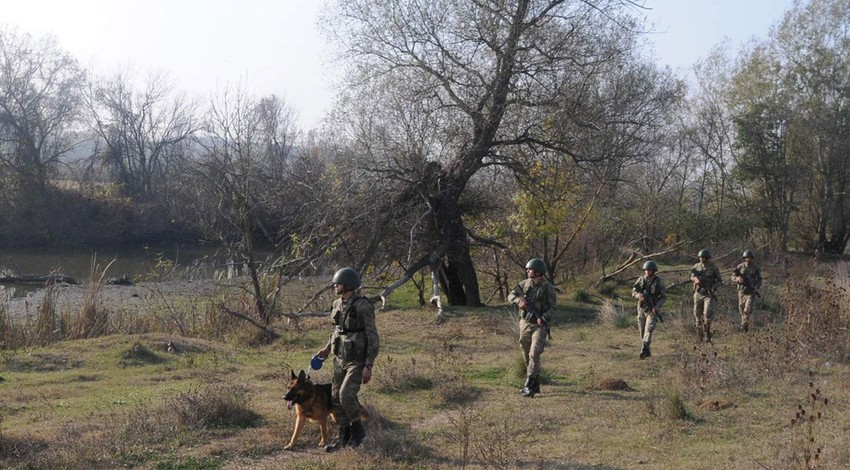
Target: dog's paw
288	446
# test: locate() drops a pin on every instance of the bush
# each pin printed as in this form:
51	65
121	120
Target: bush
582	295
616	316
218	405
676	409
139	354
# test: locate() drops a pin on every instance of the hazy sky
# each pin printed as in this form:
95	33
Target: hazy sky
274	46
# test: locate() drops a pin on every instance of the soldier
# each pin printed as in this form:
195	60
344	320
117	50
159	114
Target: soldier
650	292
535	297
355	345
747	276
706	278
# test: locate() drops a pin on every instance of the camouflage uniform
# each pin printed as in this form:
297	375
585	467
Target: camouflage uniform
532	337
355	345
752	273
704	298
653	287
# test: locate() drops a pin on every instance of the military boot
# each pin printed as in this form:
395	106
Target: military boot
358	433
528	390
343	436
644	353
745	327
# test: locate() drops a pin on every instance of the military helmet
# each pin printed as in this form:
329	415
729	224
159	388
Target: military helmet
650	265
748	254
348	278
537	264
704	253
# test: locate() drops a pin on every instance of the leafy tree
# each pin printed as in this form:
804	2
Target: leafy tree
766	128
792	110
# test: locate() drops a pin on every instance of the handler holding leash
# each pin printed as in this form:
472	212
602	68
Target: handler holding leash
355	345
535	297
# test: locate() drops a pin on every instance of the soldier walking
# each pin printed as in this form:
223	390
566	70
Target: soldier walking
747	276
706	278
535	297
650	292
355	345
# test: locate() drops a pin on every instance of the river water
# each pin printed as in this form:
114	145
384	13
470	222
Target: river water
139	263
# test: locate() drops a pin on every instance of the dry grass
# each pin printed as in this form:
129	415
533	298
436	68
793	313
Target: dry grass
445	395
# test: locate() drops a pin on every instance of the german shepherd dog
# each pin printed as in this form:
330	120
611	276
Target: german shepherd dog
312	402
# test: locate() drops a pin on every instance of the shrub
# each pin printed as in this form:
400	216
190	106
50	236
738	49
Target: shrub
676	409
582	295
218	405
397	377
139	354
614	315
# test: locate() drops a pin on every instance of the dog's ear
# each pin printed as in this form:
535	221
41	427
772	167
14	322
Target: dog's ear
293	374
302	376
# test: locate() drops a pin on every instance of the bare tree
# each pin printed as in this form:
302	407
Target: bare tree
144	129
482	80
40	93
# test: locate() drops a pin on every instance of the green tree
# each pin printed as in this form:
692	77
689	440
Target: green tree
766	127
792	112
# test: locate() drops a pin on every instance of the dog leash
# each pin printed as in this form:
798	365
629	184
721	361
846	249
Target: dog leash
316	363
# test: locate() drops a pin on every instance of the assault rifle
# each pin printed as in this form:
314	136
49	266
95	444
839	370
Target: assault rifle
696	273
534	315
747	284
650	304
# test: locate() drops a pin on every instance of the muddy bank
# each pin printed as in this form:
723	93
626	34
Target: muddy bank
70	298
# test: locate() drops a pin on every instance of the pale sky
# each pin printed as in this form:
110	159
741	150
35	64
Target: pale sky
274	46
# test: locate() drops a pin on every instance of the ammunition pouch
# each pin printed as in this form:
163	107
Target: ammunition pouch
352	347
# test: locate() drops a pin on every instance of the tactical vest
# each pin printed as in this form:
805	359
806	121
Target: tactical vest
537	294
652	288
350	341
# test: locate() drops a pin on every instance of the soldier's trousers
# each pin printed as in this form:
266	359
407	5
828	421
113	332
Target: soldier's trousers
532	338
345	386
646	325
703	310
745	306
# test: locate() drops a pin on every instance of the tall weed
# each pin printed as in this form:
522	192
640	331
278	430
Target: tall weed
817	316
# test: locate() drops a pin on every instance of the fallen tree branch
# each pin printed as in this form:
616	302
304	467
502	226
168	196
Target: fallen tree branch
50	278
635	257
272	335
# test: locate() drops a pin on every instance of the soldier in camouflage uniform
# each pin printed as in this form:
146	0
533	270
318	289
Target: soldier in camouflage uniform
650	292
706	278
747	276
355	345
535	297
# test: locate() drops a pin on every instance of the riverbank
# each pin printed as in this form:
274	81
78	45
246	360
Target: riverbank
117	298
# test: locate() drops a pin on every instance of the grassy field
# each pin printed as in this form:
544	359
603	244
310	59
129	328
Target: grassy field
445	394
